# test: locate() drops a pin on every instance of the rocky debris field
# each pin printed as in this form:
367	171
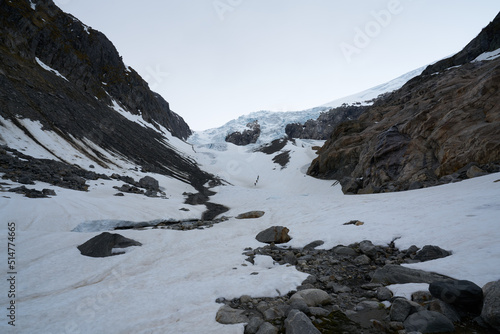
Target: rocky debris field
346	293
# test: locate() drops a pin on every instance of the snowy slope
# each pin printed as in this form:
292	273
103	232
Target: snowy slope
170	284
273	123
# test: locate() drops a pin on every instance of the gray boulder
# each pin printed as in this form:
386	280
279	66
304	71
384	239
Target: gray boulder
312	297
149	183
396	274
491	306
401	308
267	328
274	234
298	323
103	244
250	215
227	315
429	252
428	322
465	295
368	248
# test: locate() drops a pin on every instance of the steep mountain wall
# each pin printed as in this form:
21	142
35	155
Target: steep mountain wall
70	78
428	132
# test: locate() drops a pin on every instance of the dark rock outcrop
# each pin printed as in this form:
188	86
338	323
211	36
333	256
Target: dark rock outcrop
462	294
103	244
322	127
396	274
428	322
274	234
77	98
429	252
429	132
248	136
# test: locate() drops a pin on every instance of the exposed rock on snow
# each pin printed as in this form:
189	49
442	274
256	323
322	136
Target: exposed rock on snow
246	137
106	244
395	274
250	215
274	234
429	252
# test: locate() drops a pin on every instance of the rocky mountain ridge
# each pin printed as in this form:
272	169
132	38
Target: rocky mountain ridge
68	79
429	132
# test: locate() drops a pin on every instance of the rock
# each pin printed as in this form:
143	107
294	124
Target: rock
362	260
445	309
299	304
491	305
313	244
248	136
253	325
384	293
421	297
103	244
49	192
338	288
274	234
428	322
342	250
250	215
401	308
475	171
462	294
368	305
274	313
228	315
429	252
267	328
290	258
368	248
318	311
313	297
396	274
298	323
149	183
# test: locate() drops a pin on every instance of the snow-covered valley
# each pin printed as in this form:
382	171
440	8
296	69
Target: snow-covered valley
171	283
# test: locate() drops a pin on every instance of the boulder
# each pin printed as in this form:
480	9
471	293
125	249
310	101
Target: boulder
250	215
429	252
491	305
274	234
475	171
312	297
428	322
104	244
149	183
396	274
368	248
298	323
401	308
313	244
465	295
267	328
227	315
343	250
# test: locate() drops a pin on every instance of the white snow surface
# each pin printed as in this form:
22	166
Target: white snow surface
272	123
170	284
488	55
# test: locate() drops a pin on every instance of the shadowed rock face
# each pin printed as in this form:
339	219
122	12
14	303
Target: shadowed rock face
431	131
78	109
422	134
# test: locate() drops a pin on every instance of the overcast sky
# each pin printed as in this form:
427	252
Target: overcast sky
214	60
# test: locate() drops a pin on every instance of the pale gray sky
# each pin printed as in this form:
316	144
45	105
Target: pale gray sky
214	60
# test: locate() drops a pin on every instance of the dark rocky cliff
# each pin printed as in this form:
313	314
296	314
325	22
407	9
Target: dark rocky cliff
429	132
78	108
322	127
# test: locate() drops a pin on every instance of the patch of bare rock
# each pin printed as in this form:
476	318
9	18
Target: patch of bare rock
346	292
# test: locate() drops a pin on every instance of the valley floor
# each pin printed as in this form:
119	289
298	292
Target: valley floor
171	283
